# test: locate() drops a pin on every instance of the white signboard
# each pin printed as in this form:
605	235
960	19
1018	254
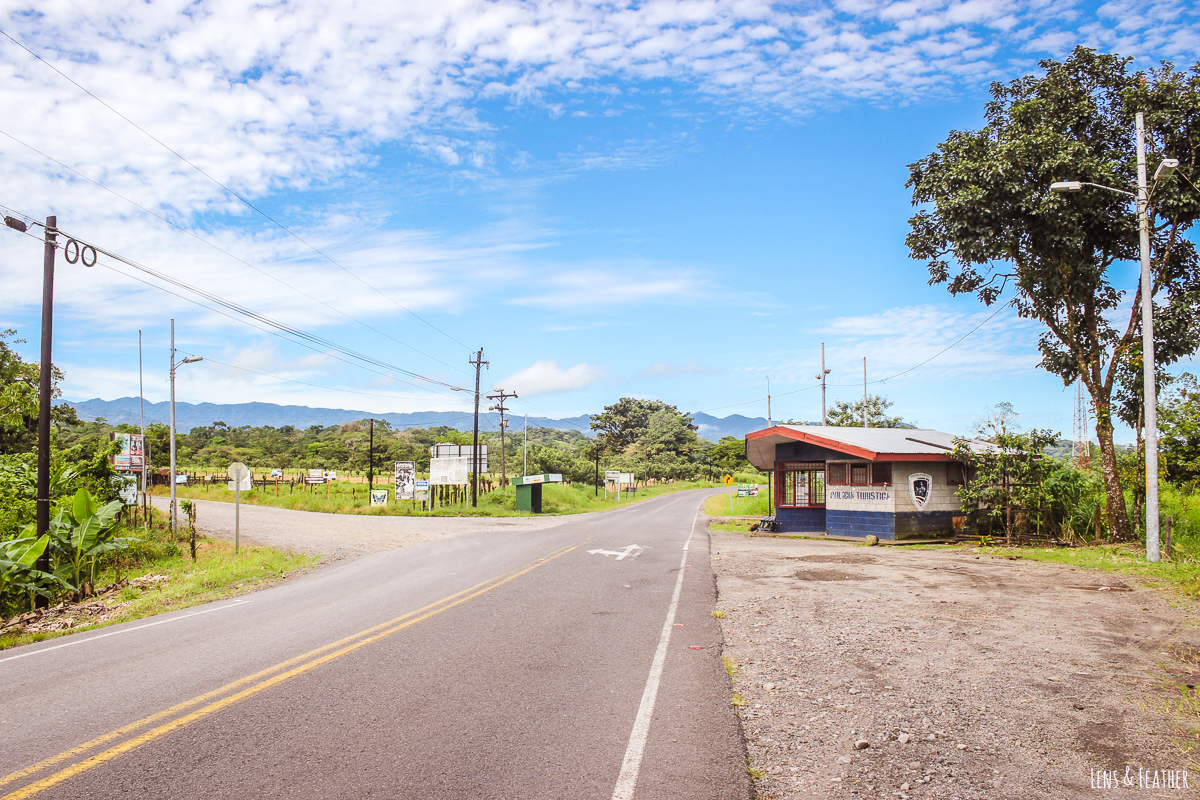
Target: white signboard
127	489
316	476
422	491
330	476
612	475
406	480
276	473
379	497
449	471
180	478
461	451
627	478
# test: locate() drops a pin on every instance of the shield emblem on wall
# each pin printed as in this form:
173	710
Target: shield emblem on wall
920	485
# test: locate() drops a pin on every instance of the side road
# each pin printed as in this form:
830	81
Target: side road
342	535
891	672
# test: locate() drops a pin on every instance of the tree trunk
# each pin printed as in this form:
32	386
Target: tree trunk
1118	519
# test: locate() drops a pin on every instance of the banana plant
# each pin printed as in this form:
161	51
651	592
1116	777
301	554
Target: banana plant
81	535
17	560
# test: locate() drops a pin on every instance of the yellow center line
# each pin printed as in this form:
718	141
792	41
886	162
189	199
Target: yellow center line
380	631
664	505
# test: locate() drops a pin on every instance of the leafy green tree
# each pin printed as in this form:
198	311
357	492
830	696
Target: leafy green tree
628	420
850	415
1006	490
19	382
988	220
1179	427
726	456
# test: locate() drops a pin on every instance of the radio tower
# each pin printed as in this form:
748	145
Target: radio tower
1081	451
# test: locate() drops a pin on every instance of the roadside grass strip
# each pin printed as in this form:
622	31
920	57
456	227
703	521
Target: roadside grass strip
209	703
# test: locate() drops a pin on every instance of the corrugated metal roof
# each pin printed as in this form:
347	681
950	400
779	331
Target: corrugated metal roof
891	444
883	440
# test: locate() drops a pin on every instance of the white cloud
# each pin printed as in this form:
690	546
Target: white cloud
668	369
545	377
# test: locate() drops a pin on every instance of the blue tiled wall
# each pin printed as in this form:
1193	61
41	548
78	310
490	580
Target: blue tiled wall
926	524
800	520
860	523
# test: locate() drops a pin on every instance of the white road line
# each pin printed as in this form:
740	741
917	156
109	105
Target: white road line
234	604
632	764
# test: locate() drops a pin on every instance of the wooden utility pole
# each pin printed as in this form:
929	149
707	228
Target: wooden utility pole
45	389
371	462
478	363
500	396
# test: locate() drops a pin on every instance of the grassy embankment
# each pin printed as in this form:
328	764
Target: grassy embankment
723	507
352	498
216	574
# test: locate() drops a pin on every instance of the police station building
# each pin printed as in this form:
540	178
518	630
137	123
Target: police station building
895	483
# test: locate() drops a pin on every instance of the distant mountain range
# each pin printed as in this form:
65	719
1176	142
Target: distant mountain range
125	410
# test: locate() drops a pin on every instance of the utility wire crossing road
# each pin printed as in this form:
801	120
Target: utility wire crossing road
556	663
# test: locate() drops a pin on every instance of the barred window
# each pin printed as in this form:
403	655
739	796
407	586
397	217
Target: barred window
838	473
881	473
858	474
800	484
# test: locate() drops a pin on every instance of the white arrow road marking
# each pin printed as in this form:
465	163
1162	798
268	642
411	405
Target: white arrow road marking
620	554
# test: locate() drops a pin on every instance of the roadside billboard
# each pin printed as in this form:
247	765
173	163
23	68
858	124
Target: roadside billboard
406	480
132	455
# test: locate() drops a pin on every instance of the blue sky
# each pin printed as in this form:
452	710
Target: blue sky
663	199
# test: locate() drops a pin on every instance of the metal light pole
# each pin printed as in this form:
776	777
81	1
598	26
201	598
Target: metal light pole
1149	388
142	426
821	378
174	364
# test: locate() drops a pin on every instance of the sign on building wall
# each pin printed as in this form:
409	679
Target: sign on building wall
406	480
920	485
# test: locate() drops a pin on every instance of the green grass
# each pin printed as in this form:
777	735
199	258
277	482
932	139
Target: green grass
1125	559
722	505
350	498
217	574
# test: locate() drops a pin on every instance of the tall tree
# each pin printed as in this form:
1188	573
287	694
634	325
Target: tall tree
850	415
989	221
628	420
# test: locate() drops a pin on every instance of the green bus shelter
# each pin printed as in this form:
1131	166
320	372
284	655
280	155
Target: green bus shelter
529	491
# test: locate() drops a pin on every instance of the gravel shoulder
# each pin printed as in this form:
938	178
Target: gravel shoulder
958	675
342	535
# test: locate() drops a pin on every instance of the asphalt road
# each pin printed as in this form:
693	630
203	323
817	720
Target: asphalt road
509	664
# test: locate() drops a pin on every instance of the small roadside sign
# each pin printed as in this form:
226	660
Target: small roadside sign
379	497
728	480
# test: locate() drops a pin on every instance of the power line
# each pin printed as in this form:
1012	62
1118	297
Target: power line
231	192
239	309
878	380
225	252
212	360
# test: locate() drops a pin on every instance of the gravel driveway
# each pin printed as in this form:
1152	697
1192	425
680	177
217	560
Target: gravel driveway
342	535
958	675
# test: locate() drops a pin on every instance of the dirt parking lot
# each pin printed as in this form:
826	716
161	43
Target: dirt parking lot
897	672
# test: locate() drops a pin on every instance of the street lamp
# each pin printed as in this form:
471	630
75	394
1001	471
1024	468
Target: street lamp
174	364
1165	169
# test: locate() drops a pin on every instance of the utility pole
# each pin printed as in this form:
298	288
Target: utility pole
1149	378
821	377
478	363
142	413
864	391
173	517
371	462
500	396
769	401
525	457
174	364
45	387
